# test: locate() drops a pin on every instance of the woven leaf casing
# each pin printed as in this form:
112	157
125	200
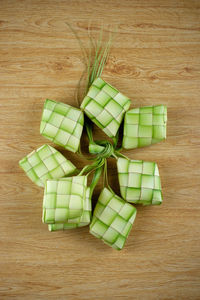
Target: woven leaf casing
144	126
112	219
139	181
84	220
63	199
105	106
46	163
62	124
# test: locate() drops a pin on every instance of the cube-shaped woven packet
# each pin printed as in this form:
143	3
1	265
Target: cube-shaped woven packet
46	163
62	124
63	199
139	181
144	126
112	219
81	221
105	106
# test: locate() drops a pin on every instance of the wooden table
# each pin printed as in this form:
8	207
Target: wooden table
155	59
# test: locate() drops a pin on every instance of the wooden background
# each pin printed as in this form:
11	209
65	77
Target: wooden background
155	59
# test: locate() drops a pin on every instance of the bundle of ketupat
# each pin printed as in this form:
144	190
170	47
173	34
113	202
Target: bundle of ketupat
67	201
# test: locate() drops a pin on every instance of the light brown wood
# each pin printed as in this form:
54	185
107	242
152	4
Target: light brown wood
155	59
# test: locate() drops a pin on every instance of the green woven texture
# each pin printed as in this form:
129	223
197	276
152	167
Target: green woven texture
62	124
139	181
105	106
46	163
112	219
144	126
63	199
84	220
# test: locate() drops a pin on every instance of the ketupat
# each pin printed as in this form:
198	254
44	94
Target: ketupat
46	163
63	199
62	124
144	126
139	181
81	221
112	219
105	106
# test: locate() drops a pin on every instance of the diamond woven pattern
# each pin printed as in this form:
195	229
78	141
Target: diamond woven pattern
63	199
46	163
139	181
112	219
76	222
105	106
62	124
144	126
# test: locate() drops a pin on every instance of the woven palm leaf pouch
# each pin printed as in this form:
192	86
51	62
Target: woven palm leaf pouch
139	181
105	106
46	163
81	221
62	124
144	126
63	199
112	219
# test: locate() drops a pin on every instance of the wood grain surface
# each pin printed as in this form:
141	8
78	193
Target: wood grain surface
155	59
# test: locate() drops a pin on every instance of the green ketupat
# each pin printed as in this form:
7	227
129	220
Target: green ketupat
144	126
63	199
62	124
81	221
46	163
105	106
139	181
112	219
